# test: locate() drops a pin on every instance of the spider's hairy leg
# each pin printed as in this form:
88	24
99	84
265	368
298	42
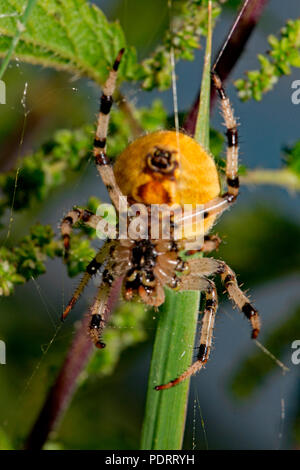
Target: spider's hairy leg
72	217
232	138
210	266
99	310
98	313
211	305
91	269
240	299
210	243
196	280
219	204
102	161
84	281
215	207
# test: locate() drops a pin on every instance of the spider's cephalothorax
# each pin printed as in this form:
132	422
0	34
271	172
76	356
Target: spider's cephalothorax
152	265
164	168
140	280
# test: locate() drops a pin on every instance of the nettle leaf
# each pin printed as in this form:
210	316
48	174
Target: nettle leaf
72	35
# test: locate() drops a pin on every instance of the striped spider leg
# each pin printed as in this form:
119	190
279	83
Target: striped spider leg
200	268
102	162
219	204
92	268
73	217
197	280
99	310
87	217
114	259
104	167
146	171
208	320
210	243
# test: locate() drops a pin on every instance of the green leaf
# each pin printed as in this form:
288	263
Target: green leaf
165	413
70	34
5	443
172	353
202	125
21	25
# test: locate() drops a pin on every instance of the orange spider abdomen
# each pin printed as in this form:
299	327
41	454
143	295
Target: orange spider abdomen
167	167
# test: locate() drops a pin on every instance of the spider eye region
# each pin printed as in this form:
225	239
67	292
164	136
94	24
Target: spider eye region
161	161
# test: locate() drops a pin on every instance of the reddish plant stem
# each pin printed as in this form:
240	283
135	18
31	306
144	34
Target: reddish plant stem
62	391
231	50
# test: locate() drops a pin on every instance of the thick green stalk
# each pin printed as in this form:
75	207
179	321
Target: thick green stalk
172	353
165	413
202	124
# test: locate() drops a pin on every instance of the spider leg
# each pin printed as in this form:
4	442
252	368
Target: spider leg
102	161
195	280
99	311
91	269
219	204
232	139
240	299
210	266
211	243
211	305
72	217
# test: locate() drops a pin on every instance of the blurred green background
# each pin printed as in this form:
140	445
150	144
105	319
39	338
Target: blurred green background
242	393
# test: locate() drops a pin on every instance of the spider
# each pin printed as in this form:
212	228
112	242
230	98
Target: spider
147	172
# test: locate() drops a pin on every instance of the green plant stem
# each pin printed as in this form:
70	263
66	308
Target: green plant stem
202	123
173	350
285	178
21	24
165	412
230	52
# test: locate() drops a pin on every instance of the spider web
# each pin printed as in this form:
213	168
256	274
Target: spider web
199	435
10	420
12	417
200	423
